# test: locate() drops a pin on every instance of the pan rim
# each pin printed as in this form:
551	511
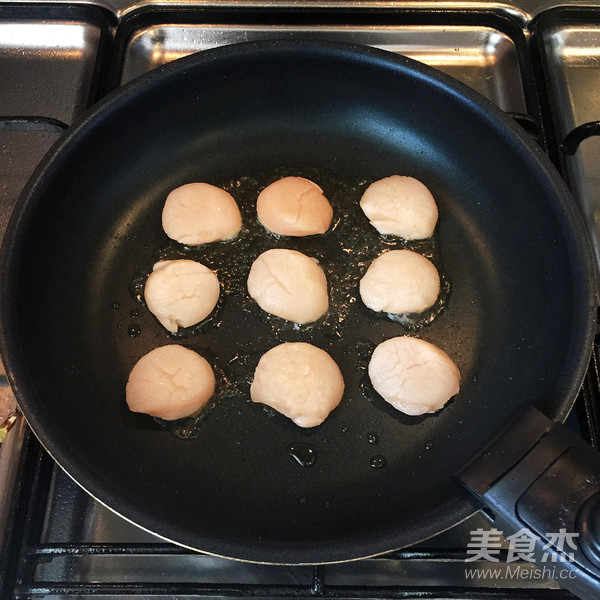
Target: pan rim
16	232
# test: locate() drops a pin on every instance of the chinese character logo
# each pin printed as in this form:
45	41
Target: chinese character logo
486	544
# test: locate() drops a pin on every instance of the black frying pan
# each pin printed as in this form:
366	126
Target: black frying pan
518	321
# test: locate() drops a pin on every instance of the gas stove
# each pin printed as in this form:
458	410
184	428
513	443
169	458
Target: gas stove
539	64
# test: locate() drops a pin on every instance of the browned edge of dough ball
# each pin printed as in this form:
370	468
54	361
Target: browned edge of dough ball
294	206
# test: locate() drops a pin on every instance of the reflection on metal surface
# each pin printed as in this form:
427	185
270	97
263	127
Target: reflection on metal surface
573	55
25	123
584	173
521	10
574	65
20	152
32	37
46	69
575	44
481	57
446	573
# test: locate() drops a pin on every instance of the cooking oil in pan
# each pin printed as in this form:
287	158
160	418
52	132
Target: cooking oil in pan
134	330
378	462
304	454
372	438
416	321
190	427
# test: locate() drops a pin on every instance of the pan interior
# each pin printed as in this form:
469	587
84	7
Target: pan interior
90	225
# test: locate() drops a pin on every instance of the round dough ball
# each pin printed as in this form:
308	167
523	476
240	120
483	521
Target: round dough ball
290	285
170	382
300	381
199	213
294	206
180	293
400	281
414	376
401	206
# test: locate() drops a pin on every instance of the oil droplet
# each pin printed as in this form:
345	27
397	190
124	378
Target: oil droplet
429	445
373	438
116	305
475	378
134	330
135	313
378	462
136	288
303	454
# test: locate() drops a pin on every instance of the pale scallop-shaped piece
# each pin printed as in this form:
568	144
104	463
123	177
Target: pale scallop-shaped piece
290	285
300	381
400	281
414	376
170	382
181	293
294	206
199	213
401	206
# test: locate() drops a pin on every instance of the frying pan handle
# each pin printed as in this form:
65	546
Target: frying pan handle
540	480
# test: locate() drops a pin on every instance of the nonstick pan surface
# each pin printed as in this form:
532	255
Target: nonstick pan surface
510	246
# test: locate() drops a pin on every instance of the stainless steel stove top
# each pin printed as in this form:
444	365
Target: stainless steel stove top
55	60
522	11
